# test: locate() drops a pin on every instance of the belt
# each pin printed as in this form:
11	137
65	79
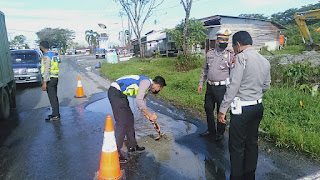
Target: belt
249	103
219	83
115	85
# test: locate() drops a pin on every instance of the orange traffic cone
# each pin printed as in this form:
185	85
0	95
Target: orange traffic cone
80	90
109	163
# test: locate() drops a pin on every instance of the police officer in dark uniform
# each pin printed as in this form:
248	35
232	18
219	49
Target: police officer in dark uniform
216	70
248	80
132	85
50	71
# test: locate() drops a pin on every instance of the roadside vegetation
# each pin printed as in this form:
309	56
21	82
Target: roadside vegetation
292	49
291	117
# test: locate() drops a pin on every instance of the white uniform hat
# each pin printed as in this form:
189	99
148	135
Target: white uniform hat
224	33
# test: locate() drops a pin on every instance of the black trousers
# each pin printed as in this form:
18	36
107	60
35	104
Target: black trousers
214	95
243	142
123	116
52	91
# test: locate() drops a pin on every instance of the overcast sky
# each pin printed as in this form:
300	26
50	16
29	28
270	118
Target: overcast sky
25	17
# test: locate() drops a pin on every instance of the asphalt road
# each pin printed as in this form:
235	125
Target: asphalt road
31	148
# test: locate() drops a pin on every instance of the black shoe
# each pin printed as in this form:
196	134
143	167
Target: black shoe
219	137
207	133
137	148
122	159
53	118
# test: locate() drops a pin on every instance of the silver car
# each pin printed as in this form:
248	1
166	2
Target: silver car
26	66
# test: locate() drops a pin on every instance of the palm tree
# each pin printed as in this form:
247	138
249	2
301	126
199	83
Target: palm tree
91	38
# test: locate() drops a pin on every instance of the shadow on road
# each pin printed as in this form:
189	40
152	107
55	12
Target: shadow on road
7	126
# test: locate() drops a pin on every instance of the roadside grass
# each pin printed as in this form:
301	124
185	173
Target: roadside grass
285	122
292	49
181	89
288	124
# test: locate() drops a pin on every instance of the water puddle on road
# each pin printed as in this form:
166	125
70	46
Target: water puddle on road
165	151
169	126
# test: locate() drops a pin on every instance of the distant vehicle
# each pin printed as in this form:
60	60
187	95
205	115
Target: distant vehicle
71	51
26	66
56	52
7	82
100	52
111	50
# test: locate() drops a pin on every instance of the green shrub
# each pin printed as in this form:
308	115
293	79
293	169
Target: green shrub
196	60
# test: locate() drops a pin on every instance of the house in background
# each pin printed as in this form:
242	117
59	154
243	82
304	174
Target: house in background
154	41
263	32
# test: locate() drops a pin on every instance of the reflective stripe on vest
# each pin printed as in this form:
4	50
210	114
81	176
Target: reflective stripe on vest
129	85
54	69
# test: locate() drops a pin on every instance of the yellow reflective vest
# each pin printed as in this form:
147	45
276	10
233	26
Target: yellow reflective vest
129	85
54	69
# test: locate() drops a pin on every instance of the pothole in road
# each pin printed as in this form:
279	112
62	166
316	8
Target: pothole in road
166	150
168	125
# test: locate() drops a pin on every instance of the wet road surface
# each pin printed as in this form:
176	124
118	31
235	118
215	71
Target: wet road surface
31	148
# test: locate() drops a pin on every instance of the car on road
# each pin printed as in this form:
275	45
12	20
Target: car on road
100	52
26	66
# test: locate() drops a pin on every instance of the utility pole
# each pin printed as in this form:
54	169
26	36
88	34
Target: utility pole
122	39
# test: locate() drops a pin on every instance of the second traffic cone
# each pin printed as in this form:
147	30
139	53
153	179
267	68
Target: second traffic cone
109	163
79	89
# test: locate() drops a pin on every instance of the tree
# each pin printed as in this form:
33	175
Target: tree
286	17
58	37
187	9
91	38
18	42
195	33
138	11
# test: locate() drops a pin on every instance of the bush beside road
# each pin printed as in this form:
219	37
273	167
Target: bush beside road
285	122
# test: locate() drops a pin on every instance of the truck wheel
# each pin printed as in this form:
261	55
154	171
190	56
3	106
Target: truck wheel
4	105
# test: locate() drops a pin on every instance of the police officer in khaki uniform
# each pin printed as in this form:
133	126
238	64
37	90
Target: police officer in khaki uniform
248	80
50	72
216	70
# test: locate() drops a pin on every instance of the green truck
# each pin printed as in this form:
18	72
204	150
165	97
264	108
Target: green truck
7	81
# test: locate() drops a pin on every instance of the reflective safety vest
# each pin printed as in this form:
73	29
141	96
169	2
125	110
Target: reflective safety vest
129	85
54	70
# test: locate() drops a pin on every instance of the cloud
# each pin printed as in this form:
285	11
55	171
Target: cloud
4	3
28	22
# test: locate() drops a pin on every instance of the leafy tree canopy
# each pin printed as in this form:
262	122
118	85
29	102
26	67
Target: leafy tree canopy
195	33
57	37
19	42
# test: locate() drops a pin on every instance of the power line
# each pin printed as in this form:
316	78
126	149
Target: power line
21	30
172	6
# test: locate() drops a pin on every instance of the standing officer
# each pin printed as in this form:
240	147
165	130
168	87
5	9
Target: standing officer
249	79
49	71
216	70
132	85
